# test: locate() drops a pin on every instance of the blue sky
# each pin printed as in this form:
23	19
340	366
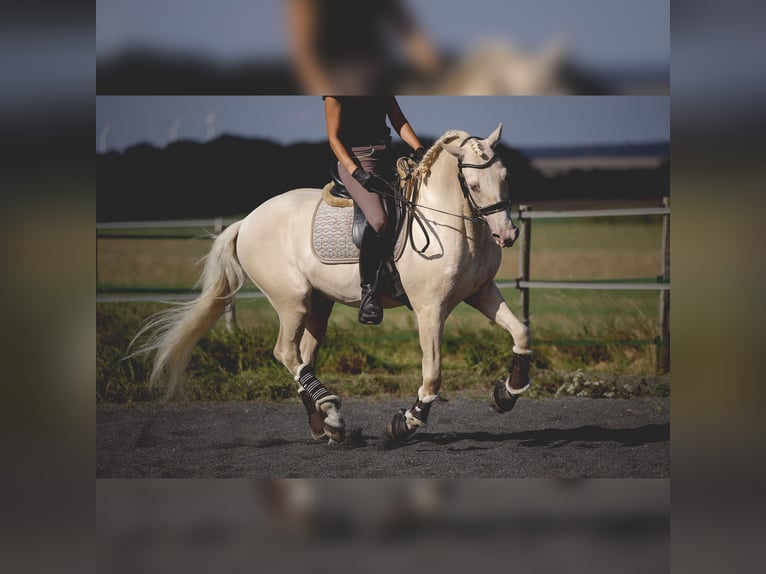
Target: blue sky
598	32
122	121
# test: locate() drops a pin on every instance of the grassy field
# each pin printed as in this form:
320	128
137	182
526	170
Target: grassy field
586	342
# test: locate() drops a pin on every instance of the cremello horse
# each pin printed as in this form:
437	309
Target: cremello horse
464	203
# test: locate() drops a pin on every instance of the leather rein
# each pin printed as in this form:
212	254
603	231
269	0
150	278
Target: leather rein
478	213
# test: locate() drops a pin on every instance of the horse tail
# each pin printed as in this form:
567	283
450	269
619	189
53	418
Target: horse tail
173	333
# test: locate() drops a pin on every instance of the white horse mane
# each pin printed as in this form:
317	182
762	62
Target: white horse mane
424	167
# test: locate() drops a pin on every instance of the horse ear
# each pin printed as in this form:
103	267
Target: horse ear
494	137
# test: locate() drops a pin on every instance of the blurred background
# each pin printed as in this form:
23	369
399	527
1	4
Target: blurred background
377	525
49	203
446	47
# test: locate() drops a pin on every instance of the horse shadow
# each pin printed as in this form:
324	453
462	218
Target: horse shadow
587	436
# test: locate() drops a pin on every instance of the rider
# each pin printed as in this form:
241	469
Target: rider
361	141
357	47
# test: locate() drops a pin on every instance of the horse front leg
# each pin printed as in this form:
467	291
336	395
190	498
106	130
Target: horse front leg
490	302
407	421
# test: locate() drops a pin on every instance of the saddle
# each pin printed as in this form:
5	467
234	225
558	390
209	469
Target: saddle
338	190
336	250
336	195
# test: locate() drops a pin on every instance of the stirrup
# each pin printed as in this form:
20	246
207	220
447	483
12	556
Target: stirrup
370	309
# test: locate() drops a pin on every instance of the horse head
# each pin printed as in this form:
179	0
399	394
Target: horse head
483	179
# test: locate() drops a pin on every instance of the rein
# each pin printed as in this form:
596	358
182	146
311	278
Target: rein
409	186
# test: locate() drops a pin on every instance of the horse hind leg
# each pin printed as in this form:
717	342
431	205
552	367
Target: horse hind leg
322	407
316	327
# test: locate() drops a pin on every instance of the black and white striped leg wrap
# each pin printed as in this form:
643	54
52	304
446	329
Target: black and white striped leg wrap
313	386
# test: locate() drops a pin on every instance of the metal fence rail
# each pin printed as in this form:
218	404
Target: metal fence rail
621	212
607	285
523	283
172	223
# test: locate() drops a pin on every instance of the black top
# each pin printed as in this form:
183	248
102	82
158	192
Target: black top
353	30
363	120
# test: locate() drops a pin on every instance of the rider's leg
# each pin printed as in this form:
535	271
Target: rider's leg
373	250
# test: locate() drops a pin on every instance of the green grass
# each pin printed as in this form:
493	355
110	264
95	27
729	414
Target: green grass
583	340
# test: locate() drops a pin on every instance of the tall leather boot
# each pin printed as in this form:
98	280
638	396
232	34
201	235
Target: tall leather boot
371	258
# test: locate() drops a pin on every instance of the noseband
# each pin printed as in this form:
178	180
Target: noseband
479	212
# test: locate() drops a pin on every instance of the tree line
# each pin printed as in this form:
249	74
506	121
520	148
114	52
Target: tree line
230	176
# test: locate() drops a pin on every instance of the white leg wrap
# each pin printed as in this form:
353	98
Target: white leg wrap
332	399
424	398
519	351
413	421
329	405
516	391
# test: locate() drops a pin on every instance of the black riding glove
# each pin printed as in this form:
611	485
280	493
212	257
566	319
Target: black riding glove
370	182
362	176
418	154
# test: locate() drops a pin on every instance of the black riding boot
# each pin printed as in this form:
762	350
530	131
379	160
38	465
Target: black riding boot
371	259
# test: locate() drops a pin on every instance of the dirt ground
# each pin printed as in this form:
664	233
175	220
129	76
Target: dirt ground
549	438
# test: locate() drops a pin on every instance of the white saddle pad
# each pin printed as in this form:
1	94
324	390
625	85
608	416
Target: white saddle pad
331	238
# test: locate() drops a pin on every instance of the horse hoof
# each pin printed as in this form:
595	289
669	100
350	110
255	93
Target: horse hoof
318	431
337	435
502	400
316	419
397	432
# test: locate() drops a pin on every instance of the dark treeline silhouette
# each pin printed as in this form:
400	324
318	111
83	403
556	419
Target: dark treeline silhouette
141	73
230	176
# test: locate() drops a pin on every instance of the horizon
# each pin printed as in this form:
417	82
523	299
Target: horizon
426	137
528	121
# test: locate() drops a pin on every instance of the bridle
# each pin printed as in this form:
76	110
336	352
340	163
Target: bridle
479	212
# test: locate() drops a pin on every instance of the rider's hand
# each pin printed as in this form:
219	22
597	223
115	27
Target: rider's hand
418	154
362	176
370	182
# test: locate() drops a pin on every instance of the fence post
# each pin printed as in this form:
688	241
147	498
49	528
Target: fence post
525	236
663	362
229	315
